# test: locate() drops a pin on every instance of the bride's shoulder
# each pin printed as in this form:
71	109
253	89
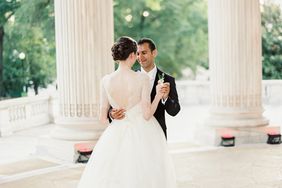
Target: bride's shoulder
142	76
106	77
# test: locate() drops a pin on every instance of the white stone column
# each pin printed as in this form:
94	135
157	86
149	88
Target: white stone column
235	63
84	36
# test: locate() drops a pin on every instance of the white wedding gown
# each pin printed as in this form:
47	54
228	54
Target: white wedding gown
132	152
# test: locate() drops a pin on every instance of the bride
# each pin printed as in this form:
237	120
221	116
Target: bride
132	152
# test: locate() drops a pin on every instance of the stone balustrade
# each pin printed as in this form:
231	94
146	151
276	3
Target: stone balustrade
26	112
198	92
23	113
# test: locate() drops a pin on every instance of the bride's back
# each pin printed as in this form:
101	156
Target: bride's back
124	88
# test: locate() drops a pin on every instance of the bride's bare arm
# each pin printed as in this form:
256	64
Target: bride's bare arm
149	108
104	105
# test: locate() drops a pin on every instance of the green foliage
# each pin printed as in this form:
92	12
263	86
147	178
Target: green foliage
7	9
272	41
178	27
31	34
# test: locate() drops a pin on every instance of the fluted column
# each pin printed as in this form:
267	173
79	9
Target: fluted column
235	63
84	36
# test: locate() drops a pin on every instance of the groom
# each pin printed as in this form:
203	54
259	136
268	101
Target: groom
146	54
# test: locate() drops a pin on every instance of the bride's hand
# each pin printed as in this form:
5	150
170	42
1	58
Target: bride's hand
159	91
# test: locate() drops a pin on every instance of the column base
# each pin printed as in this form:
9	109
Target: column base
235	122
75	129
212	136
62	150
236	117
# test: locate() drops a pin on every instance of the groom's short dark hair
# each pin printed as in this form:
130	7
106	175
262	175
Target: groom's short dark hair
151	43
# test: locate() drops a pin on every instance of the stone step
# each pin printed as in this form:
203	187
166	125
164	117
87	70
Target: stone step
59	177
62	150
24	169
245	166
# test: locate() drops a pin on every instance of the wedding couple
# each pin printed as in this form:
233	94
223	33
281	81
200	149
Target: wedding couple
132	152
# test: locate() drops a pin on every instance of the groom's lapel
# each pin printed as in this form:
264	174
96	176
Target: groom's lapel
153	92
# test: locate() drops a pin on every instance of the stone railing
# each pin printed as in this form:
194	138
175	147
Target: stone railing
22	113
193	92
198	92
271	92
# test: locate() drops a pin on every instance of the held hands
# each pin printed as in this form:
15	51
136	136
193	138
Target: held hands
163	90
117	113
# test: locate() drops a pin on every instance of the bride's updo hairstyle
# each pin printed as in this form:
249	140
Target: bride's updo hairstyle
123	47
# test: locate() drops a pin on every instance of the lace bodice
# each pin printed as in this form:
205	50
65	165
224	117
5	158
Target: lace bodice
124	89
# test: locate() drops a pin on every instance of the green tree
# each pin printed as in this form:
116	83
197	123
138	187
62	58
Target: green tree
33	35
7	10
178	27
272	41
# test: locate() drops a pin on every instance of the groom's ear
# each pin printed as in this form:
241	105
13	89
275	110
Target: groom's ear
155	52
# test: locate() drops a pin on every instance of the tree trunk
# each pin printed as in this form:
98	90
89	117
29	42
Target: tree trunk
1	61
35	88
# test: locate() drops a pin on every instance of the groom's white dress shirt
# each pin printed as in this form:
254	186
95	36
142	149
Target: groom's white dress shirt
152	75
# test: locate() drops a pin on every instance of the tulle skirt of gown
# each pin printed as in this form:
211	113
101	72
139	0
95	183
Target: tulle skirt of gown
131	153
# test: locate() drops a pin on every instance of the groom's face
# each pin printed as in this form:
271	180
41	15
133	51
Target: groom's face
145	56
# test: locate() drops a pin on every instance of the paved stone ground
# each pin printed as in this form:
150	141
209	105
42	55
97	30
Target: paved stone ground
255	166
197	166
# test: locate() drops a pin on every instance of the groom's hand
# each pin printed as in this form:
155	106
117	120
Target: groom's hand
117	113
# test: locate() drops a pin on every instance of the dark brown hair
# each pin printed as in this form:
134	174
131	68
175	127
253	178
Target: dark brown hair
151	43
123	48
